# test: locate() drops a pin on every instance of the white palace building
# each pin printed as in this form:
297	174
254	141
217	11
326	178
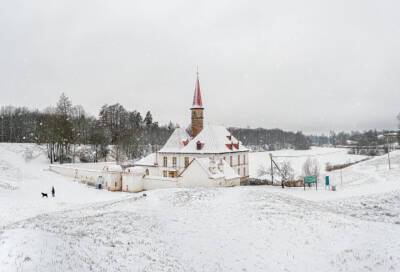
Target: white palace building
210	156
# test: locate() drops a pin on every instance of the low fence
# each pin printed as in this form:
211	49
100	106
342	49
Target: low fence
75	172
330	168
290	183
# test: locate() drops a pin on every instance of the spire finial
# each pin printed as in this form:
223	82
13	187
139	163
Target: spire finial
197	101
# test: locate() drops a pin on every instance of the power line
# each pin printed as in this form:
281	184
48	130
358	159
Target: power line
310	155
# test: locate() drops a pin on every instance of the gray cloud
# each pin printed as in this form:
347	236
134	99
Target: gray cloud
298	65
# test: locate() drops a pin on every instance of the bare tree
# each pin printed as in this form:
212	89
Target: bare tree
311	167
285	172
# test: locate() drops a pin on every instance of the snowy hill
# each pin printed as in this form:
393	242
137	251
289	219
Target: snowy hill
259	228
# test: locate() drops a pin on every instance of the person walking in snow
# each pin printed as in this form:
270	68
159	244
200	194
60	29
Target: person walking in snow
53	192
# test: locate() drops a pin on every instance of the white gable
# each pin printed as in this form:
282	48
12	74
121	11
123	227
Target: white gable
215	169
214	139
149	160
176	141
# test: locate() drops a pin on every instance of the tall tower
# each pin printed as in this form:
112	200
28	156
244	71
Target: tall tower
197	110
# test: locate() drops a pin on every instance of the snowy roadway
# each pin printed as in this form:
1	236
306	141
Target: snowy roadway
226	229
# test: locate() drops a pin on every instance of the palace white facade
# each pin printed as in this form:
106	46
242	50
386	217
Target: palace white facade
211	156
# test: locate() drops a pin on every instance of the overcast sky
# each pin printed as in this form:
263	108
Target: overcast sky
313	66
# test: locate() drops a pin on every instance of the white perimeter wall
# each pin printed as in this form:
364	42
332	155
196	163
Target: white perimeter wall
112	178
116	181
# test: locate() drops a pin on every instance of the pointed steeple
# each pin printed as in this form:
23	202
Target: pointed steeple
197	109
197	101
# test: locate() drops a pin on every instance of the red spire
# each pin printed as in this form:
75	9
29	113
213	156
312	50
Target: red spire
197	101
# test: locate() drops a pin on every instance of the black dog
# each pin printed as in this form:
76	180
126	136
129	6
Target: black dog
44	195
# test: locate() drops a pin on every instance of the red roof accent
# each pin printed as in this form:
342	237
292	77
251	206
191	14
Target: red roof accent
197	101
185	142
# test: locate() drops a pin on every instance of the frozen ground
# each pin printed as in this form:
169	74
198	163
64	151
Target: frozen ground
261	228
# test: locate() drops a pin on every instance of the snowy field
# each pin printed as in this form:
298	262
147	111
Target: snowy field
297	158
263	228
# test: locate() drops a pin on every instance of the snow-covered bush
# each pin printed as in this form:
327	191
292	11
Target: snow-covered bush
286	172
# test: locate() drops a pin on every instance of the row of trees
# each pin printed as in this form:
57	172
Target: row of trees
366	138
65	127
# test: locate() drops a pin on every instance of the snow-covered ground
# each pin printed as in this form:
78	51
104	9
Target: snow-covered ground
260	228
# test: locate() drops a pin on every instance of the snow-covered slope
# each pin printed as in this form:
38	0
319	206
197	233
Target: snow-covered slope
224	229
23	180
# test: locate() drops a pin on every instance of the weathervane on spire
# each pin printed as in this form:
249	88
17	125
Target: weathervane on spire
197	71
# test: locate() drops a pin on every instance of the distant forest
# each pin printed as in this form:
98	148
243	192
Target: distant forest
271	139
125	135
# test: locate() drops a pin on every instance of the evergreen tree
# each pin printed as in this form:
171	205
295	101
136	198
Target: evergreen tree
148	119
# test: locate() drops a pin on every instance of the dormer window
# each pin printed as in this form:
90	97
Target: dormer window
229	137
199	145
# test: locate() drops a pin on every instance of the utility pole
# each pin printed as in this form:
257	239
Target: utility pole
272	168
388	147
341	177
387	136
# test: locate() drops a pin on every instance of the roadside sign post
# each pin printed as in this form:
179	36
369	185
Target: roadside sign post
310	180
326	182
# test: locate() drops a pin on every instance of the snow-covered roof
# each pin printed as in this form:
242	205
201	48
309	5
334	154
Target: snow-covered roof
214	139
135	169
149	160
176	141
216	169
113	168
